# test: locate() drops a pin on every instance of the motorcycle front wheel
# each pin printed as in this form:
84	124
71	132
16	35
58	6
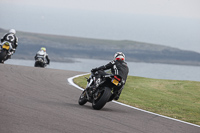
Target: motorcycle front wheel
101	99
82	99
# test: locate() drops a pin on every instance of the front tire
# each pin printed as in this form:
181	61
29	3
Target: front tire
100	102
82	99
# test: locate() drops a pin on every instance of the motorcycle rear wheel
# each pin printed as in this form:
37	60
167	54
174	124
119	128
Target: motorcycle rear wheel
39	64
3	55
100	102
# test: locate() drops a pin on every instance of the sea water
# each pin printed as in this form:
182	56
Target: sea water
149	70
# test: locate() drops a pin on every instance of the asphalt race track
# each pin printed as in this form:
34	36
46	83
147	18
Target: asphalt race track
38	100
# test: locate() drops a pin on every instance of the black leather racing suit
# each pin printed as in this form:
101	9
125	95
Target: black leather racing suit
118	68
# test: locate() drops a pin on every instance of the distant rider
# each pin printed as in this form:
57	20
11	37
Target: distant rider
12	38
118	68
42	53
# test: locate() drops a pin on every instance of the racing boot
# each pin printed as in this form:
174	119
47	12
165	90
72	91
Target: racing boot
117	96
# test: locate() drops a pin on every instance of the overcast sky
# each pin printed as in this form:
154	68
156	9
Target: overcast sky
178	8
173	23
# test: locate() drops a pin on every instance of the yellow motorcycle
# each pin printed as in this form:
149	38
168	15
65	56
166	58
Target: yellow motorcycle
4	51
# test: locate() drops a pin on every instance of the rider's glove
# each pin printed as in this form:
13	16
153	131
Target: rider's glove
94	70
13	50
10	53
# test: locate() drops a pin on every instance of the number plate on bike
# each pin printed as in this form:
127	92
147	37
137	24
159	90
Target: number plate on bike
114	81
6	47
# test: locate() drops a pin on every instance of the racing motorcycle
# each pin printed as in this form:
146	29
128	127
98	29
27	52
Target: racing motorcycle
5	51
99	90
40	61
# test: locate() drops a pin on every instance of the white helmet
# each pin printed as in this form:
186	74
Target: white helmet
119	56
12	31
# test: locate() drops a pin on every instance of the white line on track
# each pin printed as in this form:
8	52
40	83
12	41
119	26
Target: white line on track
70	80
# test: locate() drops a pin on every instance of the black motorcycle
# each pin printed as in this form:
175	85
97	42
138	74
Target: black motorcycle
100	90
40	62
5	50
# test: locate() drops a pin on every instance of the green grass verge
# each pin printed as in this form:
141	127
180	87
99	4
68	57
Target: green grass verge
174	98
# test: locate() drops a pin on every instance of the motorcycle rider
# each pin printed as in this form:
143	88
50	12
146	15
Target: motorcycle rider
42	52
118	68
12	38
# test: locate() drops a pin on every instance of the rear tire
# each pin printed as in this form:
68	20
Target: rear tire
3	55
39	64
102	100
82	99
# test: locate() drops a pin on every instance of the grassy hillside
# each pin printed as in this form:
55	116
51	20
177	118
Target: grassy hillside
173	98
62	48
